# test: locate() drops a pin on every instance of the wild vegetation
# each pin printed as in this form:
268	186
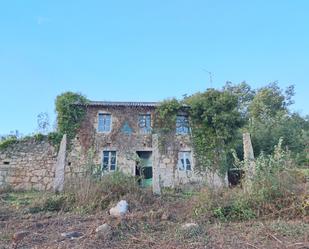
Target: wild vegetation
219	117
271	212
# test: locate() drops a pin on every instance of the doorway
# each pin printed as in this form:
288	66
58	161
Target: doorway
144	168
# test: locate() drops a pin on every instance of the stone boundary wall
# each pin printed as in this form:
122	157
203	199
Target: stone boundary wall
28	164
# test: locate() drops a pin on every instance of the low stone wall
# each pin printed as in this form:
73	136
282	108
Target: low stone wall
27	165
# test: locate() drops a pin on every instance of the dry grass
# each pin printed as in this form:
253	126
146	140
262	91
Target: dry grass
155	222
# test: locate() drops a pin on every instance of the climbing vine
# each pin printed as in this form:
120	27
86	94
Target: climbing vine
165	123
214	122
70	113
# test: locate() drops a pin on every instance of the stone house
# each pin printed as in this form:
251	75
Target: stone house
120	136
112	136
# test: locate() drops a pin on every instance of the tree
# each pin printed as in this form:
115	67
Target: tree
269	101
43	122
244	94
215	121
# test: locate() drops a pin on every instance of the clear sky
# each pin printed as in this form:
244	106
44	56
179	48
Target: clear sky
145	50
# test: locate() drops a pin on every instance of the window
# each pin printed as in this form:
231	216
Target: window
182	124
109	161
104	123
144	123
184	161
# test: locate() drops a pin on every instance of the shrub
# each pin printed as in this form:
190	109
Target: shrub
7	141
39	137
277	189
55	138
52	203
92	193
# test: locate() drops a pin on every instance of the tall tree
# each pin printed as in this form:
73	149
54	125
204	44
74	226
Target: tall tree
215	120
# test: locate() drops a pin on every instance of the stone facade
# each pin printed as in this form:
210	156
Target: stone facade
125	146
28	164
126	139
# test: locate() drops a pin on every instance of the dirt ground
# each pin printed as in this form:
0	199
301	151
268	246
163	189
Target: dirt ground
150	229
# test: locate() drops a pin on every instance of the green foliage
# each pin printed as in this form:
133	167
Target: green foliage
270	100
244	94
54	138
70	112
278	189
165	122
93	193
214	120
267	118
52	203
166	114
224	205
239	210
7	141
20	199
39	137
278	184
293	230
293	130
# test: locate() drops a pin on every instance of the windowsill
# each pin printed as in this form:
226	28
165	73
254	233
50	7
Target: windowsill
104	132
184	171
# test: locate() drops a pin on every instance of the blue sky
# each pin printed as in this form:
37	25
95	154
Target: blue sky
145	50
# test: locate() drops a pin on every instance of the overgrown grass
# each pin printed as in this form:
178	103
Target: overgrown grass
278	189
88	194
93	193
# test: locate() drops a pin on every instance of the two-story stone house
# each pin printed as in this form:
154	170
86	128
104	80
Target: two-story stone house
120	137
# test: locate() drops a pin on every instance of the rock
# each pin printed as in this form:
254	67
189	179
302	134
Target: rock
71	235
165	216
120	209
189	226
18	236
104	231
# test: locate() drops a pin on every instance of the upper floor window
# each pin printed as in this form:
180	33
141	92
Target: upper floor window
104	122
182	124
184	161
144	123
109	161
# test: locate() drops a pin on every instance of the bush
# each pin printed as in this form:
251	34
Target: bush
52	203
224	204
278	189
92	193
55	138
39	137
7	141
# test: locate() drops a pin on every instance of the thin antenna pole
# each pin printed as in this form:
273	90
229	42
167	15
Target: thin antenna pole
210	76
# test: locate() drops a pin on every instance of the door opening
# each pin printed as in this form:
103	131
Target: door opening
144	168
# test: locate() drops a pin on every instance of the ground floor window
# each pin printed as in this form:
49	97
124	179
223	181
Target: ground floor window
184	161
109	161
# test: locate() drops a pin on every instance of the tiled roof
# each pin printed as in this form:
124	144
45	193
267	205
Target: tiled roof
121	103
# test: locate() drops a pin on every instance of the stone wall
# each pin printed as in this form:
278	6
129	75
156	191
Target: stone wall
28	164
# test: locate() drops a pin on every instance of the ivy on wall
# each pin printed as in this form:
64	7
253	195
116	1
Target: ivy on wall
70	113
214	121
165	123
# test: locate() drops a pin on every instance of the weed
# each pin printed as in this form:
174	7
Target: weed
290	229
52	203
